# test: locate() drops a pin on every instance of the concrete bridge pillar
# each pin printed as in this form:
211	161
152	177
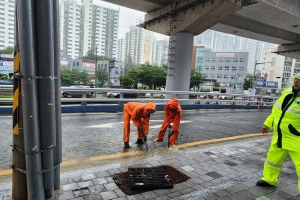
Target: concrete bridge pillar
179	63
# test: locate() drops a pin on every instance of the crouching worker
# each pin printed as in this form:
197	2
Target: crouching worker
139	113
173	114
284	120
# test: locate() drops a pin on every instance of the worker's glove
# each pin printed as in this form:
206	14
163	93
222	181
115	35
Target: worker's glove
140	128
170	134
145	138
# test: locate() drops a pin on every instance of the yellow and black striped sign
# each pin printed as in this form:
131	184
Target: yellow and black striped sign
16	94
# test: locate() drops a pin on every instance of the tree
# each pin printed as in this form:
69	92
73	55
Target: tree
152	76
90	55
133	73
71	77
102	76
248	81
197	79
217	84
7	50
3	77
126	81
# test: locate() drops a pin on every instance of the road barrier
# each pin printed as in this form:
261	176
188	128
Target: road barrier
218	100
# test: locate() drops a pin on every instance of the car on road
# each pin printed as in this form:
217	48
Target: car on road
161	96
70	93
125	95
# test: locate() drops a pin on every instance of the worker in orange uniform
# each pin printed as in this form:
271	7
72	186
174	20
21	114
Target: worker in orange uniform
139	113
173	114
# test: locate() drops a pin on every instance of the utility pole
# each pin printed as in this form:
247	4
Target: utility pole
110	65
254	75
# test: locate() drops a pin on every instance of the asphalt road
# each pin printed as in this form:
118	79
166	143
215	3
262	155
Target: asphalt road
100	134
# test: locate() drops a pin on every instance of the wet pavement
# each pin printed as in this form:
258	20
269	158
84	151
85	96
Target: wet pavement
220	150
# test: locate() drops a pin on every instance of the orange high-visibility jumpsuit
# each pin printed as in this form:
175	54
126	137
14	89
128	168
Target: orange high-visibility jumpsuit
171	117
137	112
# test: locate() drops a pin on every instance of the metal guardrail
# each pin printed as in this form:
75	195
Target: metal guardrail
217	97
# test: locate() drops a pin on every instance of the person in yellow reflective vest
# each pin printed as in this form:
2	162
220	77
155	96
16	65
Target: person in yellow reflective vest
285	122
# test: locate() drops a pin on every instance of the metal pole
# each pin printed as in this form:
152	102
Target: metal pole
45	49
253	85
30	102
19	185
57	151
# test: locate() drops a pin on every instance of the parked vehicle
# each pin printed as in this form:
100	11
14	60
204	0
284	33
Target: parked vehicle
125	95
162	96
78	94
211	96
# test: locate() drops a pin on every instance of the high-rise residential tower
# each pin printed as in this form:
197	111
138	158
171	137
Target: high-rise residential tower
7	23
88	27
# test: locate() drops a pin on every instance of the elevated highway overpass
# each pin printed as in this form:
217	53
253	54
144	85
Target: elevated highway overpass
274	21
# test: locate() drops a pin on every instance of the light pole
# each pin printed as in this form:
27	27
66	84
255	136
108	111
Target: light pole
254	78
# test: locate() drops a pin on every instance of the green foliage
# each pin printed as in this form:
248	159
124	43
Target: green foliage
197	79
248	81
7	50
217	84
90	55
126	81
4	76
71	77
152	76
205	90
102	76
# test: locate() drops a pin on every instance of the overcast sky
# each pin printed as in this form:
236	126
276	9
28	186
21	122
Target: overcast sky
127	17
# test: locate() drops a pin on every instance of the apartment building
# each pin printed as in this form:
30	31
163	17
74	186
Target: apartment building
278	70
7	23
88	27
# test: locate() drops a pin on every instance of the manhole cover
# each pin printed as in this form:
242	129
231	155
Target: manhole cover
150	178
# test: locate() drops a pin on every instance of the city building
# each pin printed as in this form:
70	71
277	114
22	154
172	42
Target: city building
197	57
227	68
223	42
121	51
160	55
88	27
7	23
84	65
114	72
277	71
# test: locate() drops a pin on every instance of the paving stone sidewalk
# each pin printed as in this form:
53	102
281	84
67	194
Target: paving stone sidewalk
225	171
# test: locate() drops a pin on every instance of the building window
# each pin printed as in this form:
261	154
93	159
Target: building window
221	59
227	59
220	68
77	63
206	67
241	68
234	68
211	76
242	59
234	59
212	67
226	68
219	76
226	76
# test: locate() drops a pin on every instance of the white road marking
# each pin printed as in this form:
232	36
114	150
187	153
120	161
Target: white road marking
111	125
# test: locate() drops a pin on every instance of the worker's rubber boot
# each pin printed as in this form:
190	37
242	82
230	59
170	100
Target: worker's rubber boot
126	145
139	141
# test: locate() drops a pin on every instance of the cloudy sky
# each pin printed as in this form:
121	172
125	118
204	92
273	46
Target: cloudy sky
127	17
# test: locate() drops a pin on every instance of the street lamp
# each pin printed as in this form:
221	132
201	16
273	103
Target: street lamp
254	78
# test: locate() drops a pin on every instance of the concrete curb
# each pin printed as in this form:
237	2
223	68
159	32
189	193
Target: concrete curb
7	110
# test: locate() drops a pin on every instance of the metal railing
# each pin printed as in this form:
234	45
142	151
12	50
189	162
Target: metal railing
199	97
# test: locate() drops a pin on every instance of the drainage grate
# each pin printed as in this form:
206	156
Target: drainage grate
149	178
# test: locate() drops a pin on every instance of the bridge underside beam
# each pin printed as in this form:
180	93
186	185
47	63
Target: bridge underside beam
190	16
292	51
244	27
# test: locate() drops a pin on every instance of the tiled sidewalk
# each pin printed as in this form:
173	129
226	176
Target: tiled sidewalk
225	171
